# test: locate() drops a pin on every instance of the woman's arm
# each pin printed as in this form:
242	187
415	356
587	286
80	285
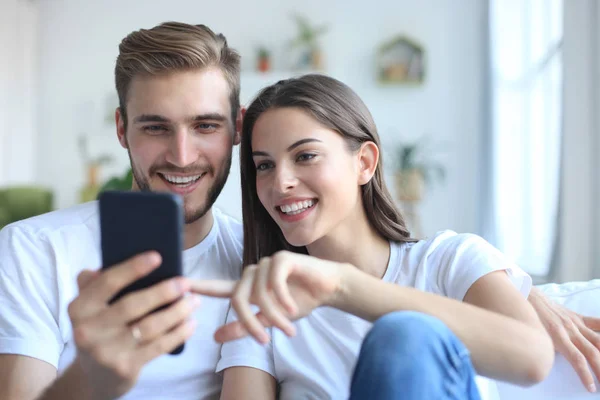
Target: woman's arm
509	343
248	384
506	340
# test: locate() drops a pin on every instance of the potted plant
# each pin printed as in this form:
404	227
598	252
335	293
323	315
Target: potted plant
414	170
264	59
121	183
92	164
308	41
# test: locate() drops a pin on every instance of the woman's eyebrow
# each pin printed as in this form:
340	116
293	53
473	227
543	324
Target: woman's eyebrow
290	148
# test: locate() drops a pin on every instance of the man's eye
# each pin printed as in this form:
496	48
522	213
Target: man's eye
155	129
207	127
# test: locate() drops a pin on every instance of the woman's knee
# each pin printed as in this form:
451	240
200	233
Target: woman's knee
415	351
408	332
408	325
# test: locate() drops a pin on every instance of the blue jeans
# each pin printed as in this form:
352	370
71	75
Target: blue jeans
408	355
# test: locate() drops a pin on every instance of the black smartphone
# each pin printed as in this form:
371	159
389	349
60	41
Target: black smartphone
134	222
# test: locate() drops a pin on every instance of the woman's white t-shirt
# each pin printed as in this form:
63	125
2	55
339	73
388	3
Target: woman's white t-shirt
319	361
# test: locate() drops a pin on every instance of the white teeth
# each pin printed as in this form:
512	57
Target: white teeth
296	208
181	179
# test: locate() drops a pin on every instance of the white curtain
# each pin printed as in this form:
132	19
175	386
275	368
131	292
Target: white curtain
579	253
526	125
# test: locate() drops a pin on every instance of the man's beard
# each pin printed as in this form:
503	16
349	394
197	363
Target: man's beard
191	216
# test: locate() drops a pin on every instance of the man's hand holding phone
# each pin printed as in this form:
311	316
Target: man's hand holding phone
114	341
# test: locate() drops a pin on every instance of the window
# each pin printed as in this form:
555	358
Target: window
526	72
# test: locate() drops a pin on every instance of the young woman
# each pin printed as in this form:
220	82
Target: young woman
377	314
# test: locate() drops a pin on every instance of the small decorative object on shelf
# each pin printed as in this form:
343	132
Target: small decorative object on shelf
263	63
401	61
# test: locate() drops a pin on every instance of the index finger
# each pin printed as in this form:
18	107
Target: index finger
111	281
213	287
85	277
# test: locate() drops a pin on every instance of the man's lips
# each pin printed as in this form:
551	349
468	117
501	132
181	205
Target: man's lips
181	185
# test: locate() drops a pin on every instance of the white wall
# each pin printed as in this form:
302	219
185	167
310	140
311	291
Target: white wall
18	74
78	42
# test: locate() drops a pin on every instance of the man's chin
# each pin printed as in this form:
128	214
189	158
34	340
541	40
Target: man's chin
194	213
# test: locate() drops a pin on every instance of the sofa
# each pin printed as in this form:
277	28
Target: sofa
563	382
20	202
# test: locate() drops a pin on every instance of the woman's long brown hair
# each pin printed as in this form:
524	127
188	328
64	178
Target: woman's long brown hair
334	105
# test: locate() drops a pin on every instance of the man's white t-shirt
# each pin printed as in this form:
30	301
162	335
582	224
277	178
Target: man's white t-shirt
319	361
40	259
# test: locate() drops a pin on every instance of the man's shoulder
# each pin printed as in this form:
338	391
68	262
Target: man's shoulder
65	222
229	226
229	242
66	240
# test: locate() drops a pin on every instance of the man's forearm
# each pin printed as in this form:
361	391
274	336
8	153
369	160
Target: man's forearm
71	385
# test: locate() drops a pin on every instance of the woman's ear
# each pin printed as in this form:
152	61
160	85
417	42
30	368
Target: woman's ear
368	157
237	138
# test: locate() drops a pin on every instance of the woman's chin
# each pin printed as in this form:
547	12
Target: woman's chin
298	240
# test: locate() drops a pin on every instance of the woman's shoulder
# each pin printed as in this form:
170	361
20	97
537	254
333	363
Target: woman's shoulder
447	241
448	263
439	255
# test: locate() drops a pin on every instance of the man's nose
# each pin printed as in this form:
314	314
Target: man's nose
181	150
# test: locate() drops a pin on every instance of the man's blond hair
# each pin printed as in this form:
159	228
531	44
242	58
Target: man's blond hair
175	46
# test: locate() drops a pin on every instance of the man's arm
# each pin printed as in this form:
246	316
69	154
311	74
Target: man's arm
27	378
24	378
109	356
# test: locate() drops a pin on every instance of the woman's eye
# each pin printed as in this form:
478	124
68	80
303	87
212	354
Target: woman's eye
306	157
263	166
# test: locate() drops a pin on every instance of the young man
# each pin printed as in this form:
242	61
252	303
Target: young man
179	118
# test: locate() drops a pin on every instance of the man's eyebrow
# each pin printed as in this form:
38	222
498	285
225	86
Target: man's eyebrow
290	148
150	118
210	116
160	118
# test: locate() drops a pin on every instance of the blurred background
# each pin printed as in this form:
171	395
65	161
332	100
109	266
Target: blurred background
487	109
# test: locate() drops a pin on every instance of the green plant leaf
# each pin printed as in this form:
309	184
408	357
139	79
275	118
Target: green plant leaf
416	155
122	183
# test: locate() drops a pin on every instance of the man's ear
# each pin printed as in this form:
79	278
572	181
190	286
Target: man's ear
368	157
120	122
238	126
